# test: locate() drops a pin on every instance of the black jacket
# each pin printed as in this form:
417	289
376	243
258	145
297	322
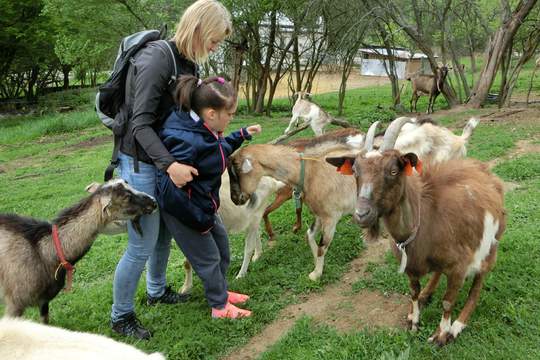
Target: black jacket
150	99
192	143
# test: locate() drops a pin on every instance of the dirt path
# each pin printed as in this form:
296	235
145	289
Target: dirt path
336	306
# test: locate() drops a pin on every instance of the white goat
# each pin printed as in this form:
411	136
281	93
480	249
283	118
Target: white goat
237	219
26	340
312	114
429	141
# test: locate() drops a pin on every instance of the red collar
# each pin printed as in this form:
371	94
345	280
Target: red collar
63	262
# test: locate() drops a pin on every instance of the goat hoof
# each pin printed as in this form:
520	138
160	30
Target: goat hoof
313	276
184	291
295	229
413	327
240	276
443	339
255	257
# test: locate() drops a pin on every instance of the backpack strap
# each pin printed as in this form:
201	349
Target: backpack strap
109	171
173	77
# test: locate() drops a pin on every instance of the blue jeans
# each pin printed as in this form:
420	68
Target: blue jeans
154	246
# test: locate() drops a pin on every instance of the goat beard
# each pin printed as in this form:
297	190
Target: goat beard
136	222
372	233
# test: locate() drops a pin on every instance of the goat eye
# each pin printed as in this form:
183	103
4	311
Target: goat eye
394	172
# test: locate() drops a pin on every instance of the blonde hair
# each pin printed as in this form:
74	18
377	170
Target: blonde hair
203	21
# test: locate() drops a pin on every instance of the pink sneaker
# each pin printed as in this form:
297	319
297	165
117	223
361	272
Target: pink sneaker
230	312
237	298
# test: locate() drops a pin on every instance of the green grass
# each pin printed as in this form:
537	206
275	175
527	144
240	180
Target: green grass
44	168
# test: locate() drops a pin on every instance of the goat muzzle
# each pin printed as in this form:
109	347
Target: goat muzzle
365	215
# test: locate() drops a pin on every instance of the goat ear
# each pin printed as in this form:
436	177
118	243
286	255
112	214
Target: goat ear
342	163
246	166
410	160
92	187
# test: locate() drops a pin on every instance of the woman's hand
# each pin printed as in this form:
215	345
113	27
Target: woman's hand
181	174
254	129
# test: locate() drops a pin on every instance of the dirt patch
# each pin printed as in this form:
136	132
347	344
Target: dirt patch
329	82
522	147
33	160
336	306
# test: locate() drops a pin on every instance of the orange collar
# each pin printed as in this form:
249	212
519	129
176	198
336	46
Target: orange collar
63	262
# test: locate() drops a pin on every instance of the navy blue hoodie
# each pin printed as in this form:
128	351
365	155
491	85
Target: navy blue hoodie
191	142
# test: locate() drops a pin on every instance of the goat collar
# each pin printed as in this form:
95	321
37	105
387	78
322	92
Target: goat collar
63	262
402	245
299	189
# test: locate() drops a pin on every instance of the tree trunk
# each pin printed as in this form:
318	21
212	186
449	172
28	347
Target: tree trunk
65	71
263	80
501	40
238	59
31	94
531	83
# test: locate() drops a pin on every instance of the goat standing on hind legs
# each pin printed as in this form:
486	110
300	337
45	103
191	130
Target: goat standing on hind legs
448	220
431	85
32	272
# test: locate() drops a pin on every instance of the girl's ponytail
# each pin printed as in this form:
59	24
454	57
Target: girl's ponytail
186	86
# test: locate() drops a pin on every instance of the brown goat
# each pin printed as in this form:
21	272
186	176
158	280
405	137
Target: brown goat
448	220
30	274
431	85
285	193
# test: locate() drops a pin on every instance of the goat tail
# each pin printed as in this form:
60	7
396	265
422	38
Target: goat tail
469	128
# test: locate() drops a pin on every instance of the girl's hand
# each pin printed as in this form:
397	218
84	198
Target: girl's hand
254	129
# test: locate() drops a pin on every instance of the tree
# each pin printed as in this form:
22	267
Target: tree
499	44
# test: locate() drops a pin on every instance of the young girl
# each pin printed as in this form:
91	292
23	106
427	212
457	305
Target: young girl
193	135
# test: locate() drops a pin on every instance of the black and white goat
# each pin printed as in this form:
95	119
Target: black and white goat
32	271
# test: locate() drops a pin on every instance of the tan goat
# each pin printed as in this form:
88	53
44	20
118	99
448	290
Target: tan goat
430	85
448	221
249	164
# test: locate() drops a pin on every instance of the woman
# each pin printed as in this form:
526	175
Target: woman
150	99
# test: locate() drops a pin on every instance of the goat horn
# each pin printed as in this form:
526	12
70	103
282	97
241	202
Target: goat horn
391	134
370	136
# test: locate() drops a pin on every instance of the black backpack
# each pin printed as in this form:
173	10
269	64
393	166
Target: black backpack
111	104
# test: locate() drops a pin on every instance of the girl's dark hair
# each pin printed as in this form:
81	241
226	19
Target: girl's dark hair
213	92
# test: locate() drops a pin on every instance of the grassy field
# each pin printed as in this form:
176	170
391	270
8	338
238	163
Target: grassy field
46	161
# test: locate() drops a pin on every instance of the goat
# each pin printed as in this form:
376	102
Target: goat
312	114
429	141
448	220
285	193
30	273
26	340
431	85
249	164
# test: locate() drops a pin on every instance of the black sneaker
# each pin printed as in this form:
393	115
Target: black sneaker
168	297
129	325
